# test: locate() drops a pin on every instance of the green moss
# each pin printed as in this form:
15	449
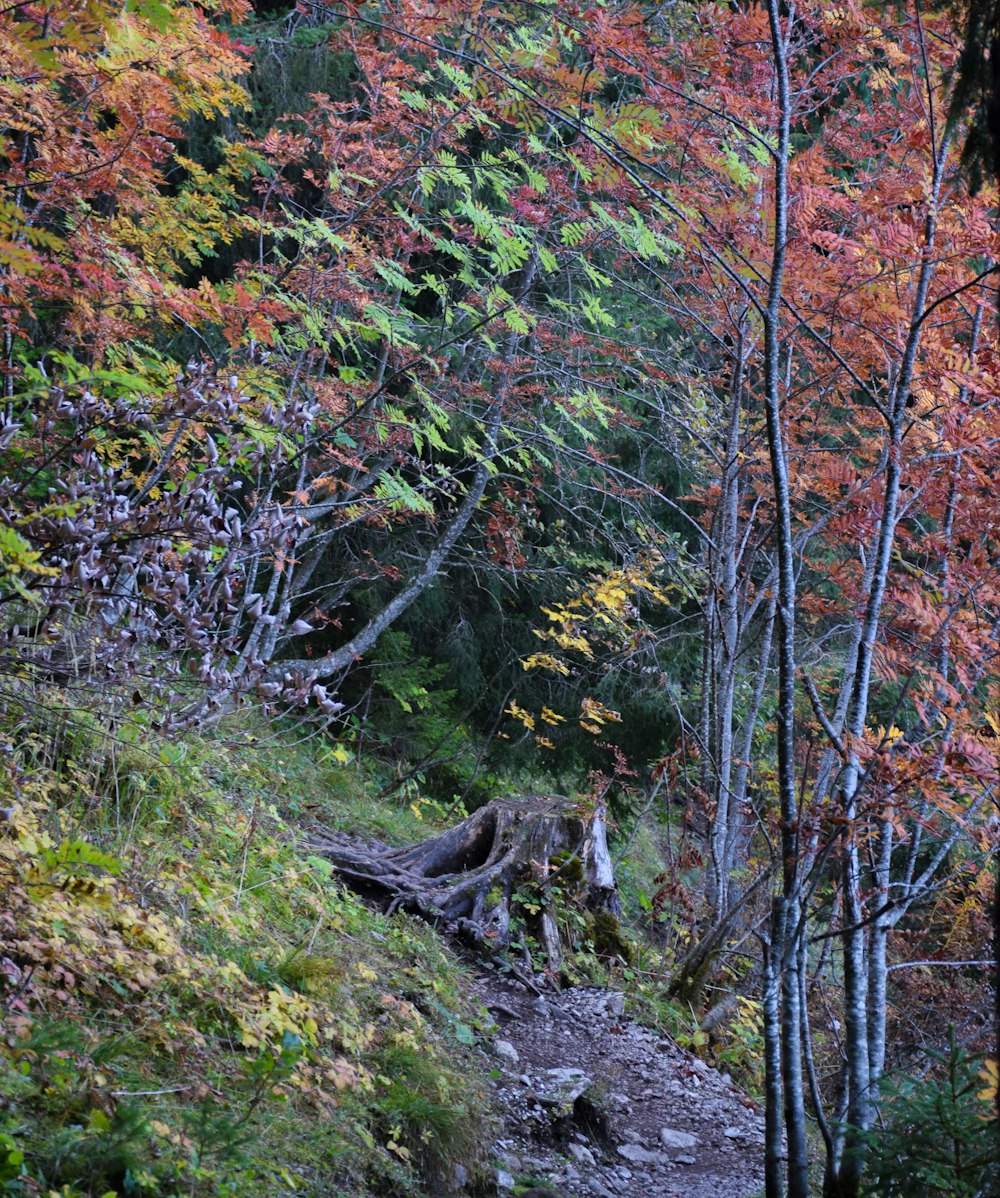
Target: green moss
568	868
610	942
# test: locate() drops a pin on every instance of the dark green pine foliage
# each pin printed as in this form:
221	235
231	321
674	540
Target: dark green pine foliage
977	90
939	1137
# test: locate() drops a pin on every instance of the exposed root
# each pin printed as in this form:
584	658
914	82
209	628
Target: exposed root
467	877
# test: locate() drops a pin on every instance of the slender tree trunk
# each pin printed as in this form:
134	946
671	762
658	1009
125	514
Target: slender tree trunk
790	923
877	960
736	847
855	1020
774	1182
729	646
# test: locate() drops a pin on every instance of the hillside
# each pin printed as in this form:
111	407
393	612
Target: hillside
195	1004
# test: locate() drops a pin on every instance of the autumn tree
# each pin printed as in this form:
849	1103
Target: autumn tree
380	345
857	372
851	372
127	476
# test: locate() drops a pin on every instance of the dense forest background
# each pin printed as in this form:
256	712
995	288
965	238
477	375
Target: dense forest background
410	404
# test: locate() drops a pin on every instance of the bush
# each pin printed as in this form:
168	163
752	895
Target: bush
940	1136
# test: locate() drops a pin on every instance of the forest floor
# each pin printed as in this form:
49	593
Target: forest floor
594	1104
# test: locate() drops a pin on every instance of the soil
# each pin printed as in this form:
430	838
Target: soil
595	1105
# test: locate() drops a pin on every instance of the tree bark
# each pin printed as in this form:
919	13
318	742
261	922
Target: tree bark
773	1105
862	1089
788	926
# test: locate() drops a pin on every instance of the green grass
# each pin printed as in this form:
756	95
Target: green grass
230	1021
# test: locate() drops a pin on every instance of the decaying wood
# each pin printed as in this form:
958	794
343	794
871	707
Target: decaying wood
468	876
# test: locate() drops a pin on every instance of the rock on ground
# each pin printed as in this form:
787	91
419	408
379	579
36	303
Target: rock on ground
597	1106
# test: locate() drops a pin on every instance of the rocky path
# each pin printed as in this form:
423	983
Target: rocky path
596	1105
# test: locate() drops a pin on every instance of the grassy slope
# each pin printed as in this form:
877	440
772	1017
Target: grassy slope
191	1006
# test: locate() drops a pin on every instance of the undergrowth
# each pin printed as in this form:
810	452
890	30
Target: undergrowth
191	1004
656	893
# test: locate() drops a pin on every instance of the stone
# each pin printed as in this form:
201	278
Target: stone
459	1177
505	1180
506	1052
614	1004
677	1139
561	1087
581	1154
640	1156
667	1112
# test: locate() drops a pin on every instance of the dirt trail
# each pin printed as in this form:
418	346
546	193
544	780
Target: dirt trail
596	1105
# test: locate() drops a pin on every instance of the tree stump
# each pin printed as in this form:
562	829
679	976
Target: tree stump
468	876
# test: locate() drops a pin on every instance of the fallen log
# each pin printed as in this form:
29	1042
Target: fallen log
470	876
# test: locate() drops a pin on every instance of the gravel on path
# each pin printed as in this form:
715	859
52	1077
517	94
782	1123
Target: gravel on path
597	1106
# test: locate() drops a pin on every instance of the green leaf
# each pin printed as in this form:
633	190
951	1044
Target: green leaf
98	1121
80	852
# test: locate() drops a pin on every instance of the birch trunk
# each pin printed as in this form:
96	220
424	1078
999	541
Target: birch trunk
774	1184
877	960
725	696
791	1040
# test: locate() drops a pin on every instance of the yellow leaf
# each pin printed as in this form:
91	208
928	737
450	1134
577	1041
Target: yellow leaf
991	1075
519	713
545	661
